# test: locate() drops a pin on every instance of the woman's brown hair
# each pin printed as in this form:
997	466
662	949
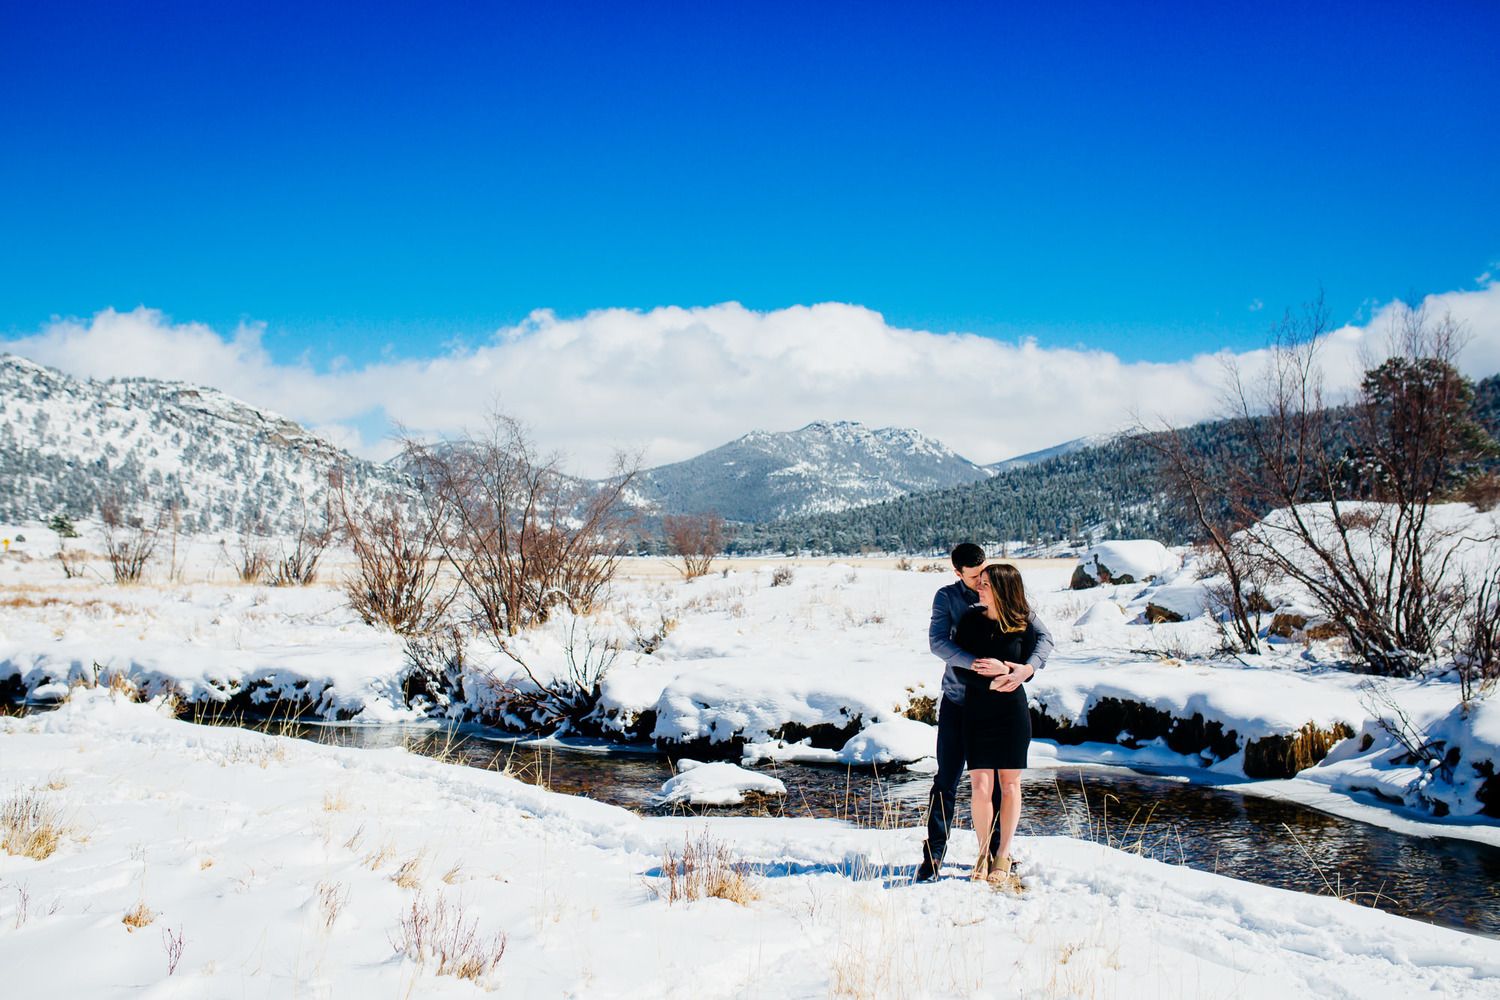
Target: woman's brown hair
1010	596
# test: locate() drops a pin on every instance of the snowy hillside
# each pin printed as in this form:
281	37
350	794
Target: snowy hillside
1066	448
67	444
825	466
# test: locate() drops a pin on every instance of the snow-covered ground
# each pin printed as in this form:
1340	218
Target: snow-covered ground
287	868
252	865
818	662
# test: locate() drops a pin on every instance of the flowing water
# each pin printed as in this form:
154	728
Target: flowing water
1446	881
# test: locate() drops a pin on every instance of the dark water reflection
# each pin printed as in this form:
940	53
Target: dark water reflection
1451	882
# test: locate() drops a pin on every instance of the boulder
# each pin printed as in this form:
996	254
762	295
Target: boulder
1130	561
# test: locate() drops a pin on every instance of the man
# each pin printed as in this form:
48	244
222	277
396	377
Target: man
948	606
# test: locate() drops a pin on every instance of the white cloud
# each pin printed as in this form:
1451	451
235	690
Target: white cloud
680	381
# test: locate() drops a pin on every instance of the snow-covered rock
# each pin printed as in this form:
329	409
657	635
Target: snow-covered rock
716	783
899	741
1131	561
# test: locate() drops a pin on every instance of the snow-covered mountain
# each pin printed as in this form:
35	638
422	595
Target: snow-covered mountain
68	444
1067	447
825	466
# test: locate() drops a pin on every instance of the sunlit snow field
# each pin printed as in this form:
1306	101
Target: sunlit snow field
256	865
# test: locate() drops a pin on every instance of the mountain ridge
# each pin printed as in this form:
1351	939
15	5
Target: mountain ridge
827	465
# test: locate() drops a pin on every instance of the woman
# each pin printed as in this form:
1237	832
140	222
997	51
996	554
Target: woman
997	723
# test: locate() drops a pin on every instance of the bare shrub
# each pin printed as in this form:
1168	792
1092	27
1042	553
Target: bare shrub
31	825
72	561
525	536
434	933
436	660
299	567
695	539
1351	486
130	536
704	868
171	940
1476	640
253	563
1482	491
560	703
400	558
1417	745
782	576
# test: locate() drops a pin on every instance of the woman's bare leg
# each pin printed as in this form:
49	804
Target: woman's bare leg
981	808
1010	808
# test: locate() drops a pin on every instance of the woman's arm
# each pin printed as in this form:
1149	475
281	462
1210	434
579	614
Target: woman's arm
1020	673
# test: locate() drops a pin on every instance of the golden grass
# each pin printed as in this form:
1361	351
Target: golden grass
139	917
409	875
30	825
332	898
704	868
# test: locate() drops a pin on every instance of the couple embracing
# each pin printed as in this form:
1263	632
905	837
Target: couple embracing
983	629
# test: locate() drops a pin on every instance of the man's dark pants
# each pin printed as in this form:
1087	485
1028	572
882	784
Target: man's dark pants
942	803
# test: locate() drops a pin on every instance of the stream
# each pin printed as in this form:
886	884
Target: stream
1446	881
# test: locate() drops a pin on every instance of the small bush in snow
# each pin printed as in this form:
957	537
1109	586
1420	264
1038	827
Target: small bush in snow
138	917
399	561
1476	647
434	933
781	576
704	868
30	825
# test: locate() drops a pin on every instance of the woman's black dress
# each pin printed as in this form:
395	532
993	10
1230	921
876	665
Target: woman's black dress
997	724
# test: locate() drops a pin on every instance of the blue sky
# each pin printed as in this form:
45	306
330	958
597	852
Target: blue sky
379	181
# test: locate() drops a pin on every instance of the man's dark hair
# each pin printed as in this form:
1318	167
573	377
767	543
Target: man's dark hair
967	555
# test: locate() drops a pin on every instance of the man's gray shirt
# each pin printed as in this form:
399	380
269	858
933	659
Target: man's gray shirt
950	604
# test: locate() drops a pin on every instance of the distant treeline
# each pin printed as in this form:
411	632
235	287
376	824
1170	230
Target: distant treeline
1108	491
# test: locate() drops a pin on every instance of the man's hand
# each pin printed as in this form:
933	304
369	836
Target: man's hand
1014	675
986	667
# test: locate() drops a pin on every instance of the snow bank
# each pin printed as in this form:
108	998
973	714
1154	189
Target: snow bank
287	868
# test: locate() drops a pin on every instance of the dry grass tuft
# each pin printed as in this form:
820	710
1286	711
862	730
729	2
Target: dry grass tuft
380	855
704	868
262	752
454	874
335	801
409	875
30	825
332	898
435	933
138	917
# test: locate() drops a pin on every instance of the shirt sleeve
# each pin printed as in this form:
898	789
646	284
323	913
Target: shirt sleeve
1043	649
940	635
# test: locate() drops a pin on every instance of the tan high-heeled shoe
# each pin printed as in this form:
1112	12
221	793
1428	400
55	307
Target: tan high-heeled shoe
999	869
981	870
